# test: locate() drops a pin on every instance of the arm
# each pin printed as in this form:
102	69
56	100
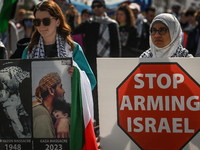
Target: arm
63	128
115	42
24	56
83	64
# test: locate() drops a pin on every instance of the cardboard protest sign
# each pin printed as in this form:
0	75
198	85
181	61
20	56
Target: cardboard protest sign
149	103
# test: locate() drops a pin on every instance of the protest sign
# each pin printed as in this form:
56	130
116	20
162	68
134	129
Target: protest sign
21	127
149	103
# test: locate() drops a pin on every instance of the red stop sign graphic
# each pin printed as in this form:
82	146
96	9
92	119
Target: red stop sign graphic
158	106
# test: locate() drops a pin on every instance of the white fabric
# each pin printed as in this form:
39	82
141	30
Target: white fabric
175	33
86	95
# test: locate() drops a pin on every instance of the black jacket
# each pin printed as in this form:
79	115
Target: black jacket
91	31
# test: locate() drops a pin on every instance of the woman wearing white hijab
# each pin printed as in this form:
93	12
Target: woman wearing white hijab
165	38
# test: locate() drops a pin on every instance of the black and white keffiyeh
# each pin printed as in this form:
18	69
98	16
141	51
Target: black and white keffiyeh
103	43
180	52
62	48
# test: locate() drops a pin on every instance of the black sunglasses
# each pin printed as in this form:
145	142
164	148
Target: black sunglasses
98	6
45	21
161	31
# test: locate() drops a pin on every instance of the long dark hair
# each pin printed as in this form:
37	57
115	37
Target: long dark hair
63	30
130	19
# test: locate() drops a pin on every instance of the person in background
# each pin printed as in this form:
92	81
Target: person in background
144	39
72	16
27	24
85	14
185	27
175	9
165	39
80	38
193	36
21	45
101	40
127	30
25	34
20	16
184	22
138	16
191	18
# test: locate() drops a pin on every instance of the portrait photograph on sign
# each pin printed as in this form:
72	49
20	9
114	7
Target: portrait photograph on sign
51	101
15	112
15	105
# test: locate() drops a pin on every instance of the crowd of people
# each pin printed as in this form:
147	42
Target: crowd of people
46	32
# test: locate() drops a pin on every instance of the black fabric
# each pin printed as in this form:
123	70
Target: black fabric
192	41
144	39
129	49
91	31
1	52
21	45
51	50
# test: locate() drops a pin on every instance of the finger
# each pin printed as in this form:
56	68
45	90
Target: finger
58	135
63	135
68	135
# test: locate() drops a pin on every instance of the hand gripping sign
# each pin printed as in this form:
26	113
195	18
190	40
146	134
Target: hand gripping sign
158	106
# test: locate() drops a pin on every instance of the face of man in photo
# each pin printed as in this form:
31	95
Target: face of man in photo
59	91
59	94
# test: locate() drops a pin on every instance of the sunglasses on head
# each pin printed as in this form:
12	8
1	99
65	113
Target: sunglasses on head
98	6
45	21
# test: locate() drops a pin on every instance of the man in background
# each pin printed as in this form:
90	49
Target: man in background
101	40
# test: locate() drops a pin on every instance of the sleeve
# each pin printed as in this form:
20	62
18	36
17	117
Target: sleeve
115	42
24	56
42	127
81	28
83	64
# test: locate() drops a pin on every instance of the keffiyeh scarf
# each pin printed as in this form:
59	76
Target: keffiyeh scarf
180	52
103	43
62	48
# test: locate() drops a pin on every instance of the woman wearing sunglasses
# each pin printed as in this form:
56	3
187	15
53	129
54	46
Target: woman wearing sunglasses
165	38
52	38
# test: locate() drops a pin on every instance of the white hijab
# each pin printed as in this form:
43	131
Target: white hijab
175	30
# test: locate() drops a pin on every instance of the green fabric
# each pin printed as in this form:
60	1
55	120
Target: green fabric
83	64
5	13
77	129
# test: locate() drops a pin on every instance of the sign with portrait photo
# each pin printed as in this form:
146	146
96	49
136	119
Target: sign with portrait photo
35	103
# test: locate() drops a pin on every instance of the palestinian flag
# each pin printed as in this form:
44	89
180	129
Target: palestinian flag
82	135
6	7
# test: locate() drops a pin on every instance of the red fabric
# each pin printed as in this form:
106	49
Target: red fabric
184	39
90	139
